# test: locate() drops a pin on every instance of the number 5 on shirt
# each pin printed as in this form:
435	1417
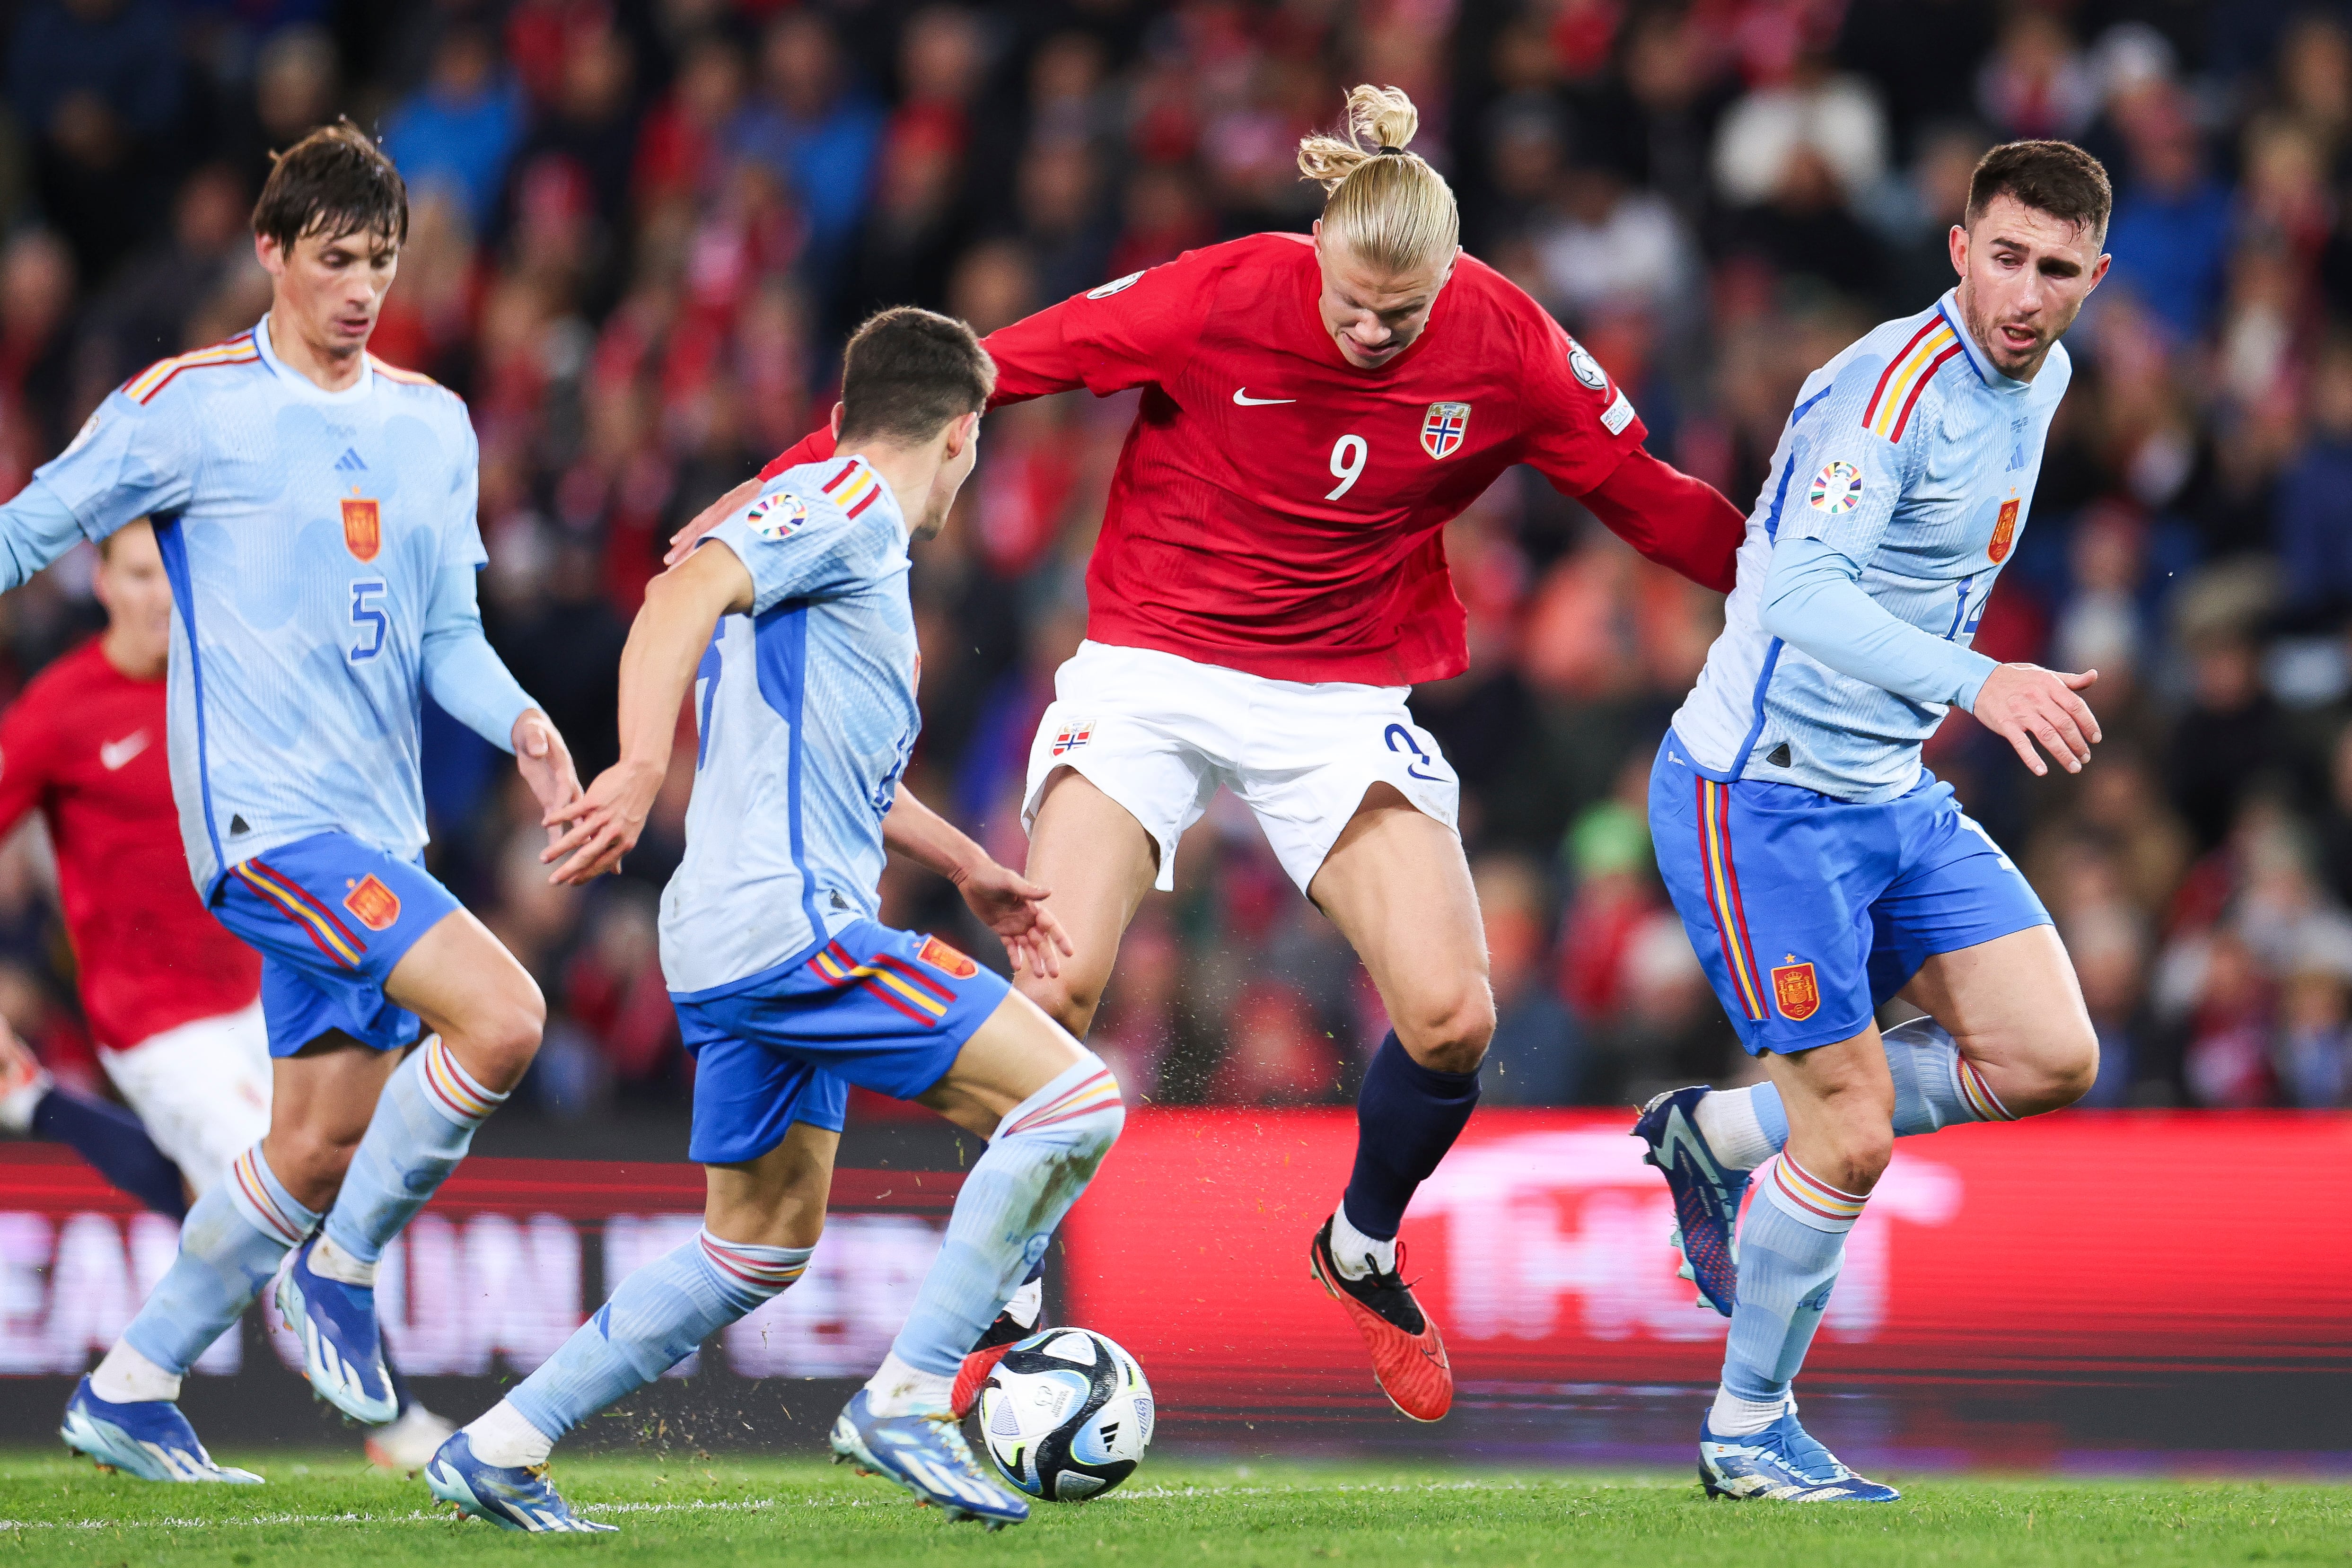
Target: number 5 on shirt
373	624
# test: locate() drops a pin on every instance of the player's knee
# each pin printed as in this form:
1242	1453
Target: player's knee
1069	999
1862	1148
503	1036
1449	1032
2061	1072
311	1162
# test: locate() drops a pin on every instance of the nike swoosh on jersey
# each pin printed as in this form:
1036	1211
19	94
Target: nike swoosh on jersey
1241	396
113	754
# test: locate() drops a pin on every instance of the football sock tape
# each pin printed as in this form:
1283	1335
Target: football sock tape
658	1317
233	1240
421	1127
1044	1151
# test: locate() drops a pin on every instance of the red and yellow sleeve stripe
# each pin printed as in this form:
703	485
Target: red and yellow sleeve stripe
853	487
238	351
1906	375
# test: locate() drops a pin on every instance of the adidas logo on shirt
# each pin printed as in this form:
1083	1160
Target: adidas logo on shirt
349	463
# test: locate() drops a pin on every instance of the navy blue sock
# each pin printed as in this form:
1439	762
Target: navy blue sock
1407	1116
112	1139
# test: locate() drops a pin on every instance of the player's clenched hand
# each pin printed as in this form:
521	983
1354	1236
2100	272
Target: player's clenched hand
544	761
1014	908
601	824
681	543
2025	702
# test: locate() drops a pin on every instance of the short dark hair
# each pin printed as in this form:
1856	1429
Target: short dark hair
908	373
2054	177
332	183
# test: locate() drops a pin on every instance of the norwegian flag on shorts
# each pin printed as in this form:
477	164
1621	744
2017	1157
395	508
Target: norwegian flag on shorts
1070	737
1443	428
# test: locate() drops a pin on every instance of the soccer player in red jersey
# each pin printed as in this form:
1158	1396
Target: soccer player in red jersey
173	1000
1270	582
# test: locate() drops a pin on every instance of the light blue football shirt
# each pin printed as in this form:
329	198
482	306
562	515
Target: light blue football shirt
1909	453
321	549
805	715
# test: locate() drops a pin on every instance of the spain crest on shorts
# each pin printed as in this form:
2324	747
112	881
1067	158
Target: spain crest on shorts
1070	737
362	527
1795	991
375	905
947	959
1443	428
2004	532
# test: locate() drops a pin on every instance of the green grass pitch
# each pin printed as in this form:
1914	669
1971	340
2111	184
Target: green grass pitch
710	1513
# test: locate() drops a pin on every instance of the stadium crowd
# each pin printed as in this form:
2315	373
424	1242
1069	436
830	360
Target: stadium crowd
643	227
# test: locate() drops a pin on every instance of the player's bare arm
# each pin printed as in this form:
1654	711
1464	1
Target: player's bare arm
666	642
1006	901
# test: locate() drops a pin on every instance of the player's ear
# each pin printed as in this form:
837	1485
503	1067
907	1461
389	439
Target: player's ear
1959	247
266	251
838	409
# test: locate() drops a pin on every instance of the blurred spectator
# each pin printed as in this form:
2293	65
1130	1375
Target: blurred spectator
461	127
2315	497
98	85
37	297
2171	226
816	126
1537	1057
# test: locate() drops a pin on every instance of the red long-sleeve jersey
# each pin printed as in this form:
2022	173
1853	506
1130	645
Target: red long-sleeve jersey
83	744
1277	510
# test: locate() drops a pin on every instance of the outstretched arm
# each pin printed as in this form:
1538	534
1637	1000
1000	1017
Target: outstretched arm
1007	903
1672	519
681	609
36	529
1813	603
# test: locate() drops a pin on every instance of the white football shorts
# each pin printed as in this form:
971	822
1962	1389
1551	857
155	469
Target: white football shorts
202	1088
1157	733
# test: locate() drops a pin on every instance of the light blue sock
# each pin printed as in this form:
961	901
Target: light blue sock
1791	1247
1043	1154
423	1126
230	1244
658	1317
1935	1086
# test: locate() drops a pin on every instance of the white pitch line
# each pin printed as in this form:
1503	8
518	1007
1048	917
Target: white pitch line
753	1505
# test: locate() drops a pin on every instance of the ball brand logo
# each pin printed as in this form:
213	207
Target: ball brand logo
2004	532
374	904
946	959
362	527
1443	428
1798	994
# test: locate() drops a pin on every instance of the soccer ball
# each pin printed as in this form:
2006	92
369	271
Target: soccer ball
1066	1415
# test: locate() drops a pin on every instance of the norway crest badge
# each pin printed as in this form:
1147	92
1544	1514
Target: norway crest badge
1443	428
1070	737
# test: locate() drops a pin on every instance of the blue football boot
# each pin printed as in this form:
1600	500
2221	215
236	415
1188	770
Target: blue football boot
148	1439
1706	1194
1783	1463
512	1497
927	1456
342	1354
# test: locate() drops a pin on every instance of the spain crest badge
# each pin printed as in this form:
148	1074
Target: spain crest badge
2004	532
947	959
1443	428
376	906
362	527
1796	992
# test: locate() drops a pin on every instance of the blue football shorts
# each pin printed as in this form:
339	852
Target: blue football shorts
885	1009
1808	912
331	916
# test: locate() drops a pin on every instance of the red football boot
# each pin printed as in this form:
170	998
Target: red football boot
1408	1355
1001	1335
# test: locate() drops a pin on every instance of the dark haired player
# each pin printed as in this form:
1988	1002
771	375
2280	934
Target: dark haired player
1819	868
173	999
315	511
792	631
